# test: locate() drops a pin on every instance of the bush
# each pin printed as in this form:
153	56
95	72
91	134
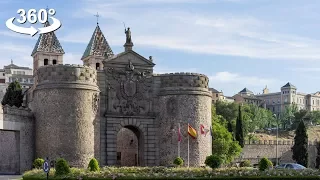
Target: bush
178	161
264	164
38	163
245	163
93	165
62	167
213	161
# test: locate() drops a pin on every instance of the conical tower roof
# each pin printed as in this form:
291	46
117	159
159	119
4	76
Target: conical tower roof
98	45
48	42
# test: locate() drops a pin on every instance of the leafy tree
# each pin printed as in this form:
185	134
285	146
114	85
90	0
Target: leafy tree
13	95
298	116
223	144
239	129
315	117
318	156
300	147
288	115
227	110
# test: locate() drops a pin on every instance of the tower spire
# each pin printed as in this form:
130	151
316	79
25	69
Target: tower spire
97	15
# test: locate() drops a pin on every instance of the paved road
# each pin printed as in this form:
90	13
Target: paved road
10	177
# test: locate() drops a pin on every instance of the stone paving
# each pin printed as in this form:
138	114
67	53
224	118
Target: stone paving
10	177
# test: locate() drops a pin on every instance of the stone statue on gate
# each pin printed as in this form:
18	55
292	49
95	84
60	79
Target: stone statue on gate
128	35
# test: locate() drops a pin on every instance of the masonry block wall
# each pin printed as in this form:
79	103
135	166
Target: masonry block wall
183	98
17	139
66	101
254	151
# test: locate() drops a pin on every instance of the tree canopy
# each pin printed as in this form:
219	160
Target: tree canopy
13	95
223	144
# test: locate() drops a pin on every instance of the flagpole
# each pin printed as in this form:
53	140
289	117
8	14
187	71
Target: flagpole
179	142
188	147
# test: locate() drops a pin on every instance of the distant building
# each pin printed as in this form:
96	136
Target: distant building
277	101
12	72
218	95
247	96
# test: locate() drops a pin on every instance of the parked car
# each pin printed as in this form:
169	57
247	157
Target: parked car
290	166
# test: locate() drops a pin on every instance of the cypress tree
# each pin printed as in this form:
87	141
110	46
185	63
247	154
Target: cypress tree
13	95
239	129
300	147
318	156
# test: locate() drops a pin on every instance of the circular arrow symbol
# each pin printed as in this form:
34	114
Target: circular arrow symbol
56	25
31	30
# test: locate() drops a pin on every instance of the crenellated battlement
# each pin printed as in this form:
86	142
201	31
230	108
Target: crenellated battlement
66	73
13	110
181	79
274	142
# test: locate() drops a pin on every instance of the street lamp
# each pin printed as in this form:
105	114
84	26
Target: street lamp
277	119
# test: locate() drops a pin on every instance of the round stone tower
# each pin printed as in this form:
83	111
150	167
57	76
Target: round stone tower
184	99
66	101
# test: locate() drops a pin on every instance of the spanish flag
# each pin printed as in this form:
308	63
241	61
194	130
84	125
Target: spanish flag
192	132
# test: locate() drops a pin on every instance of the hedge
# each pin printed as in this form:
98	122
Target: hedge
163	178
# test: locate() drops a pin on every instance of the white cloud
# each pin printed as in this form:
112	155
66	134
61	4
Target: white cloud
231	83
196	32
228	77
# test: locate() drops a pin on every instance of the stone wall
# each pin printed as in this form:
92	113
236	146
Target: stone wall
254	151
9	152
17	125
183	98
66	101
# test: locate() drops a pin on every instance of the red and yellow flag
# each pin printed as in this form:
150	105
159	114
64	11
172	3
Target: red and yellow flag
192	132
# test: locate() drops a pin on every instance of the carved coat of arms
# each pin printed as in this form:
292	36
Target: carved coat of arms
131	89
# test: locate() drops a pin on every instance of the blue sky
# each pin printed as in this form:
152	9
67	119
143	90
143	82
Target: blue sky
236	43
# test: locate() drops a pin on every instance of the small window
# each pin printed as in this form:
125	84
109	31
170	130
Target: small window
217	95
54	61
46	62
118	155
97	66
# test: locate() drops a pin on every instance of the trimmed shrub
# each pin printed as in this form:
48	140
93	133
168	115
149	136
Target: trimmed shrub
93	165
264	164
213	161
245	163
62	167
38	163
178	161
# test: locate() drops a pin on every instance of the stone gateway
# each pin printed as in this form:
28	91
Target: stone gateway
113	108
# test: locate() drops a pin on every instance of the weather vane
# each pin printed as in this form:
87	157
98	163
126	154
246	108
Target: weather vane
97	15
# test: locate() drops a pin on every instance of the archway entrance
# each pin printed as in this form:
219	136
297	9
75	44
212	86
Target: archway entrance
129	152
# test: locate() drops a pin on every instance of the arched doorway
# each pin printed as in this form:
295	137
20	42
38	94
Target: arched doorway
129	150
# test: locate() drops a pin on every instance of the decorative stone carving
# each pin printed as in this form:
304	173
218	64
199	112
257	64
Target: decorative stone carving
95	102
132	87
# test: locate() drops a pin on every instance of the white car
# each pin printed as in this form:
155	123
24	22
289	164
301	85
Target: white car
290	166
